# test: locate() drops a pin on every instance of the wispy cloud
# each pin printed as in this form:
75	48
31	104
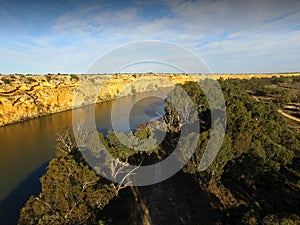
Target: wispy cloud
231	35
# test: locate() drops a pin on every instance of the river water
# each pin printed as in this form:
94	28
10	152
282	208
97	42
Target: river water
27	147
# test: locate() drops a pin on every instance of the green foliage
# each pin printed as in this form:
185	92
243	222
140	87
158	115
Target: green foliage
72	193
30	80
5	80
257	147
254	178
115	147
275	220
74	77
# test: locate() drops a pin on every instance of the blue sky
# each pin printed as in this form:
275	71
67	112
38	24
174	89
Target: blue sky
68	36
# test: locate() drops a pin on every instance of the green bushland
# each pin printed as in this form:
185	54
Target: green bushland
253	180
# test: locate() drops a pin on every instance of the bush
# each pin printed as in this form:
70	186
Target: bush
74	77
48	77
6	81
31	80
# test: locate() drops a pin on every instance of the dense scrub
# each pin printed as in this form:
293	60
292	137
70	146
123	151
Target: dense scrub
256	173
255	178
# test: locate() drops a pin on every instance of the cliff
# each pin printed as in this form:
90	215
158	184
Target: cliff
24	97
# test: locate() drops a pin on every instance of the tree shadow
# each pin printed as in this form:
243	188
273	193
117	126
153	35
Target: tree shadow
178	200
270	193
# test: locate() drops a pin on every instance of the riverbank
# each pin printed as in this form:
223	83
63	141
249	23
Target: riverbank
23	97
27	145
26	97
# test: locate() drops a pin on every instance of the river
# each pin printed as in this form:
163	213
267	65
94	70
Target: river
27	147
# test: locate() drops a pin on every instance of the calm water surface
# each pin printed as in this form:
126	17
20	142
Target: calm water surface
26	147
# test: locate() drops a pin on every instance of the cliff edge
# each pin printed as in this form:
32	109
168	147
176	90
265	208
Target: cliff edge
23	97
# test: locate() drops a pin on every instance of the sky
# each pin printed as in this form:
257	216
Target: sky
69	36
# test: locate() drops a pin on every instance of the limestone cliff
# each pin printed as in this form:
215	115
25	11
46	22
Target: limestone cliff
24	97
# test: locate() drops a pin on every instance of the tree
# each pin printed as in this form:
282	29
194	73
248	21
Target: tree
72	193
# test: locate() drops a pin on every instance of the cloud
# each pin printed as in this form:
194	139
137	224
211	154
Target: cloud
231	35
263	52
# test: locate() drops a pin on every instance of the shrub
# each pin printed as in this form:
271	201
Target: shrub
6	81
74	77
30	80
48	78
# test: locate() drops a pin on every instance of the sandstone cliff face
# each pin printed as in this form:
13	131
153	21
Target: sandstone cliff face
25	97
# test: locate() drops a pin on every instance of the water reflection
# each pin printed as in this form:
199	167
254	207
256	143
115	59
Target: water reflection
26	146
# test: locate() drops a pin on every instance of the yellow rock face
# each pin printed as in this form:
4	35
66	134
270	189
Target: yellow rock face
24	97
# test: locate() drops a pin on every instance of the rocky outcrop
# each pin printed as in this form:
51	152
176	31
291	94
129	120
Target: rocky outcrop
24	97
